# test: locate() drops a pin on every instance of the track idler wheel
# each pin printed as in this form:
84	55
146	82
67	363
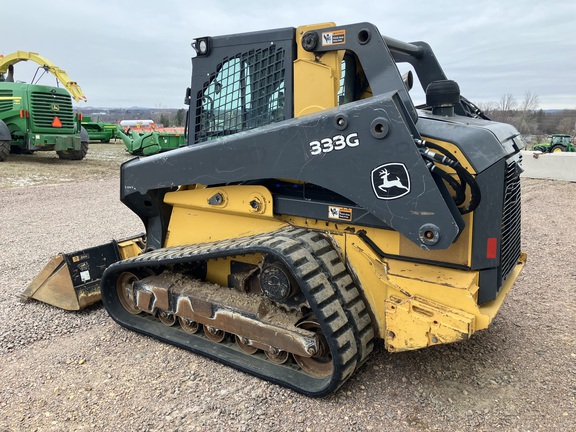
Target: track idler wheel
126	293
320	364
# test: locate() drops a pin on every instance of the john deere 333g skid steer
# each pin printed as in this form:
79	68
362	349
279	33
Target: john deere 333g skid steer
315	210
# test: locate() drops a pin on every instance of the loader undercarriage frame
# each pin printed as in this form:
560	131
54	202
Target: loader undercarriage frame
326	331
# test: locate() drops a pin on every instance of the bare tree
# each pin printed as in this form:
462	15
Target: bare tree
504	110
566	126
527	114
507	103
530	102
488	107
523	115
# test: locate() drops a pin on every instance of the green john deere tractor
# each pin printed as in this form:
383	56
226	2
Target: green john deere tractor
558	143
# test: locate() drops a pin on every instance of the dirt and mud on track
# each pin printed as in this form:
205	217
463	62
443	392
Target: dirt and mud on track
81	371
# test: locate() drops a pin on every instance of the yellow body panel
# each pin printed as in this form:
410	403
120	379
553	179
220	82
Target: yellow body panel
417	322
397	291
244	211
316	78
459	253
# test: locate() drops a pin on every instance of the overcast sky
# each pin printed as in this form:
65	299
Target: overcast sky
137	53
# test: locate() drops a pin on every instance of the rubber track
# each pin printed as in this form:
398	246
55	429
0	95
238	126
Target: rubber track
321	275
345	288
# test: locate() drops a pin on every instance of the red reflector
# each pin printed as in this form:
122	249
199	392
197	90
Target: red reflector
21	113
27	114
491	247
56	122
80	117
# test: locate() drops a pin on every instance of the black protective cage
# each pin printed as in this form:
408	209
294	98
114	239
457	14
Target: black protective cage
244	86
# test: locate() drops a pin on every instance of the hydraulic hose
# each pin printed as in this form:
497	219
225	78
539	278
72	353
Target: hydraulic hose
460	194
465	177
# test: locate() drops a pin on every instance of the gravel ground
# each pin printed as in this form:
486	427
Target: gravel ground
74	371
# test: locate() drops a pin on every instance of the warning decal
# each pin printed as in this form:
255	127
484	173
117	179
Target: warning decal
340	213
337	37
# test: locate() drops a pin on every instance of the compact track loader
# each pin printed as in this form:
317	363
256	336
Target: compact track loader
316	209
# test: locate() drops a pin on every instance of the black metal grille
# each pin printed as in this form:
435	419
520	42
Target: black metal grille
46	106
246	92
511	221
6	105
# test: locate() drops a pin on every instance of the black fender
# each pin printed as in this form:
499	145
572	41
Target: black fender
84	135
4	132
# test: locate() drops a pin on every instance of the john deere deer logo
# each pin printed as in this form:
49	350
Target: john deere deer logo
55	107
390	181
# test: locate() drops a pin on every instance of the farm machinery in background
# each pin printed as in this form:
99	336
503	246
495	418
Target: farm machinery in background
313	210
140	137
99	131
36	117
146	142
558	143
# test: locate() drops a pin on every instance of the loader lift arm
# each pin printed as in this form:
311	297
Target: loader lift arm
48	66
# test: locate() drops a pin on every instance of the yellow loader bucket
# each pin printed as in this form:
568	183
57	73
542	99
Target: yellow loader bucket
72	281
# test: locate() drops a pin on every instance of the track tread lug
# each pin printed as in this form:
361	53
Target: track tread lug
346	290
